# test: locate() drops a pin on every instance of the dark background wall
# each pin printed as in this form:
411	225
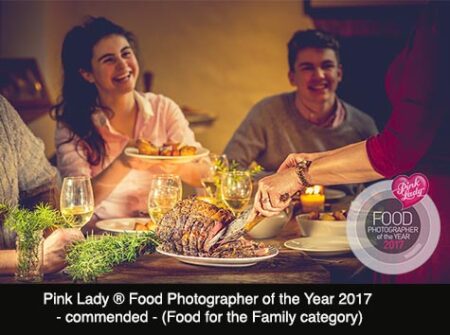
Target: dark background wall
370	37
365	62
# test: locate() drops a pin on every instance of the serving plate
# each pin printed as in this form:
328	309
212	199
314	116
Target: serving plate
221	262
134	152
320	246
122	225
332	194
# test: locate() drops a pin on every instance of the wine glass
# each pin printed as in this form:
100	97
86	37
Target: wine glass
77	200
236	190
212	176
165	191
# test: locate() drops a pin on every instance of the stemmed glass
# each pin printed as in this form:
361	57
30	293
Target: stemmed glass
77	200
165	191
212	177
236	190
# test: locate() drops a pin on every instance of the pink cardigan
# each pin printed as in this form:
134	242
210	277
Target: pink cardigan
159	120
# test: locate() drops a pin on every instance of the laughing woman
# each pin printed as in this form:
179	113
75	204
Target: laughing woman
100	113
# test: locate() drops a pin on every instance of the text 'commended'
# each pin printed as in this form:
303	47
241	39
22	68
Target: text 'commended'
175	308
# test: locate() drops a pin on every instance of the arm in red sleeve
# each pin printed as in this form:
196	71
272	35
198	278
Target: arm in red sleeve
418	103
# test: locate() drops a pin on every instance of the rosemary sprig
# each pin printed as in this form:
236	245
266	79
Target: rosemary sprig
24	222
29	226
253	169
96	256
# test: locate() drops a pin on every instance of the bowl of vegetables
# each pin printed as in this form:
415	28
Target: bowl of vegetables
323	224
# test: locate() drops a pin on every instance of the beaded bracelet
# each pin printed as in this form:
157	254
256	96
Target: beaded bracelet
302	169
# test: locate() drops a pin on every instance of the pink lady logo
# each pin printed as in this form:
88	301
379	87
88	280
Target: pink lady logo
393	226
410	190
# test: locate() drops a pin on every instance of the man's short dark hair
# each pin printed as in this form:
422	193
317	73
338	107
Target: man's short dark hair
311	38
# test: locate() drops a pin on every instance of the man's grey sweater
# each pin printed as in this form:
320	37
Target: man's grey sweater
274	128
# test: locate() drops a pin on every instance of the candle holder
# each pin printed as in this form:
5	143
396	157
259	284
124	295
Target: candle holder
313	199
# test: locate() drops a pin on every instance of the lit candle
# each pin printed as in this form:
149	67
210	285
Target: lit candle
313	199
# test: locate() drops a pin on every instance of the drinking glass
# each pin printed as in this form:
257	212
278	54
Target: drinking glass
30	256
77	200
165	192
212	177
236	190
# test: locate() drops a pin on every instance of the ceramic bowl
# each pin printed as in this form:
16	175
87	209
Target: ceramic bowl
270	227
313	228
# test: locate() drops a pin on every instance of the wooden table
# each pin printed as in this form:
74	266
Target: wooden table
288	267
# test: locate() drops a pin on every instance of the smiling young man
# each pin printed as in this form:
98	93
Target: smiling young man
310	119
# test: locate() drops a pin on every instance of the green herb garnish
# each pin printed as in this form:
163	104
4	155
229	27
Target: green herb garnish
29	226
221	167
24	221
254	169
96	256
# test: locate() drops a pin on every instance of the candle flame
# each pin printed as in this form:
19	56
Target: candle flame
316	189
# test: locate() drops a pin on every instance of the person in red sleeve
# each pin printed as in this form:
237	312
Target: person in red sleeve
415	139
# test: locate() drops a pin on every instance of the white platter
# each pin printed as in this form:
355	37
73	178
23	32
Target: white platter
221	262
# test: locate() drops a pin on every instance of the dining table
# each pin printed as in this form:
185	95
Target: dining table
287	267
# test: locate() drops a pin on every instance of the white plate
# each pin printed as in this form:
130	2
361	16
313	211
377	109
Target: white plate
320	246
221	262
134	152
332	194
125	225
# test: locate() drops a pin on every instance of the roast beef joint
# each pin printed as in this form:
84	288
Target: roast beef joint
195	228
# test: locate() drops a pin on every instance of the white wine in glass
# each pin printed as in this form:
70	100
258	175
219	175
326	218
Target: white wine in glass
165	192
236	203
236	190
77	200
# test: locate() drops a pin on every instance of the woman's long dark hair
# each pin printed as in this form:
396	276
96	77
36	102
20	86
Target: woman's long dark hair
79	97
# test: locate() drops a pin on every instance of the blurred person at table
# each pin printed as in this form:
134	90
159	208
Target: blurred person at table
310	119
26	179
415	139
101	113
